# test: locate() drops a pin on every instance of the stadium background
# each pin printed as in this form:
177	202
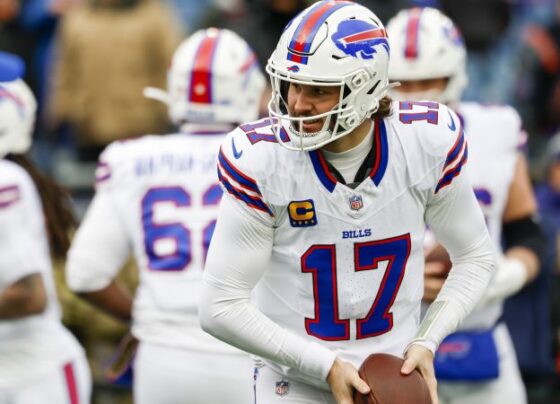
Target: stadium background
88	60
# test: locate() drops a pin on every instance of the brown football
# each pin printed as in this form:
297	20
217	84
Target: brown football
382	372
438	253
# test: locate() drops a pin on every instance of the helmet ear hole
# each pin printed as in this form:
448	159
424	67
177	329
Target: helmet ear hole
352	121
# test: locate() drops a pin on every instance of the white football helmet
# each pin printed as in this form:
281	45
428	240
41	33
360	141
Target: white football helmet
214	77
427	45
18	109
331	43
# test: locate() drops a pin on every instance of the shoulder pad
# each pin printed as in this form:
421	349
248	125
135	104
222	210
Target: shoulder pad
113	162
433	141
246	157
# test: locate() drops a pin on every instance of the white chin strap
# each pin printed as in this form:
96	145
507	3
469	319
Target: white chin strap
309	141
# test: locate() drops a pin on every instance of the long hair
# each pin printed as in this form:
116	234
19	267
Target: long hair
57	206
385	109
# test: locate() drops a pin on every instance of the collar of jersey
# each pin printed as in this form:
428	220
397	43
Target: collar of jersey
379	151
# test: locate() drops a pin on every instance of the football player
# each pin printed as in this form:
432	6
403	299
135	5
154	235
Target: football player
325	208
158	198
478	364
40	360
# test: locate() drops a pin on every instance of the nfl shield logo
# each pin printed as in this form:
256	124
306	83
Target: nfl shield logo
356	202
282	387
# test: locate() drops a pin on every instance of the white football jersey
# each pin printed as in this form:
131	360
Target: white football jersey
156	196
347	264
34	345
494	134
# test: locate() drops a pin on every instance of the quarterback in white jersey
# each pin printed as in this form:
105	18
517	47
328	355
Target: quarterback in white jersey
477	364
158	198
324	214
40	360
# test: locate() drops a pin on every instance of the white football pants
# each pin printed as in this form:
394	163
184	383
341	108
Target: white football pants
69	384
166	375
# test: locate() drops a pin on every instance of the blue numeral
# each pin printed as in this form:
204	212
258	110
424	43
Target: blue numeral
431	115
176	231
320	261
368	255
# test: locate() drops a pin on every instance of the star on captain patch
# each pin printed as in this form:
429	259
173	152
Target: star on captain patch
356	202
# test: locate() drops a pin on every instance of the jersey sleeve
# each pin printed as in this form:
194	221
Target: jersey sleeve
238	256
454	215
17	239
101	244
242	174
434	144
448	148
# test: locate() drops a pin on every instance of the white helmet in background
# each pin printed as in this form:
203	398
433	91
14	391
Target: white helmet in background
331	43
214	77
426	45
18	109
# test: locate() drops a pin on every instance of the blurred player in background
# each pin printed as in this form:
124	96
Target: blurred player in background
326	207
478	364
40	360
158	197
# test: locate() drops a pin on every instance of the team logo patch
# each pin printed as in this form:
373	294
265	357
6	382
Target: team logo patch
282	388
302	213
356	202
455	349
294	68
359	38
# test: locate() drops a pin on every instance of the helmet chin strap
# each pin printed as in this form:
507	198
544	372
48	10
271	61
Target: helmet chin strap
322	135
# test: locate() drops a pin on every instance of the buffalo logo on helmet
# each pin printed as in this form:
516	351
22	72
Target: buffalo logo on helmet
359	38
454	35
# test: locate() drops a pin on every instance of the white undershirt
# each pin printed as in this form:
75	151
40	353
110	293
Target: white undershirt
348	163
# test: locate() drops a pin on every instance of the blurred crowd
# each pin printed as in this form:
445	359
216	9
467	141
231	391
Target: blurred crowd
88	62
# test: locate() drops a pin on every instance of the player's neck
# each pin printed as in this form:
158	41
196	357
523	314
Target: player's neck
352	139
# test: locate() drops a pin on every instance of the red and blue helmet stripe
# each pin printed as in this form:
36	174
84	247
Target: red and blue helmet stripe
412	30
300	45
201	75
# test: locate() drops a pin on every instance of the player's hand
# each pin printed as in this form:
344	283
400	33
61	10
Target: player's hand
343	378
435	274
421	358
